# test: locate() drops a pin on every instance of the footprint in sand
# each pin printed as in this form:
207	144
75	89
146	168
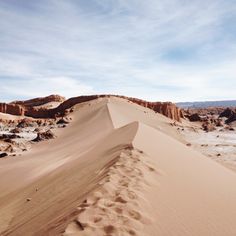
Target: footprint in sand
131	232
120	200
135	215
151	168
79	225
97	219
93	199
105	203
132	195
109	229
124	183
118	210
84	204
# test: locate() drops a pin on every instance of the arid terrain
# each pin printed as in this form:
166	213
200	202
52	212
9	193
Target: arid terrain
212	132
114	165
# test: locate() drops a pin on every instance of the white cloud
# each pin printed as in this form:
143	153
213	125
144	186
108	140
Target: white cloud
30	88
128	47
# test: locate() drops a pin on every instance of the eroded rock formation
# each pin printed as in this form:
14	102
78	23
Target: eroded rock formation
168	109
12	109
43	136
194	117
40	101
231	119
227	113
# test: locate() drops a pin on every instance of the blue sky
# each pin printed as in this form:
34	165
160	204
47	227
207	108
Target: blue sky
175	50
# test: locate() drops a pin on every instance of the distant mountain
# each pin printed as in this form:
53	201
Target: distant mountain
229	103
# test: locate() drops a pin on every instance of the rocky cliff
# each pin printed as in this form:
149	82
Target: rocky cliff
40	101
12	109
168	109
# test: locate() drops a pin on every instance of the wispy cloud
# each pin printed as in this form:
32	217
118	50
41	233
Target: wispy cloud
37	87
159	50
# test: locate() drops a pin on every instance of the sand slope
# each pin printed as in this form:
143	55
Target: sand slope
117	169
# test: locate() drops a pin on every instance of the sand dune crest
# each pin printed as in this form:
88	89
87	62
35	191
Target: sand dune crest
116	208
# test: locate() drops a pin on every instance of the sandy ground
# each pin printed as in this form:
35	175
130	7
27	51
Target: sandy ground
117	169
49	105
24	133
10	117
219	145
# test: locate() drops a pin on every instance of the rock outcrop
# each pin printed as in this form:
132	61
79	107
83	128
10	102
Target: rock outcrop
21	108
219	123
13	109
8	136
231	119
194	117
208	126
44	136
16	130
168	109
62	121
26	122
230	114
40	101
3	154
227	113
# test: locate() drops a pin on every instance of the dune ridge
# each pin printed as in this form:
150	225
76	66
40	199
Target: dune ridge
116	170
186	223
117	206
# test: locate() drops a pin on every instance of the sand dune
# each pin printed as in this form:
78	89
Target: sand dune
116	207
117	169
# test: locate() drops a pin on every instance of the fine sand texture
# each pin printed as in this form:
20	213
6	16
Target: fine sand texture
116	169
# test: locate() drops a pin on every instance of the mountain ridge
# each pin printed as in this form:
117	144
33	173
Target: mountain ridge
206	104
